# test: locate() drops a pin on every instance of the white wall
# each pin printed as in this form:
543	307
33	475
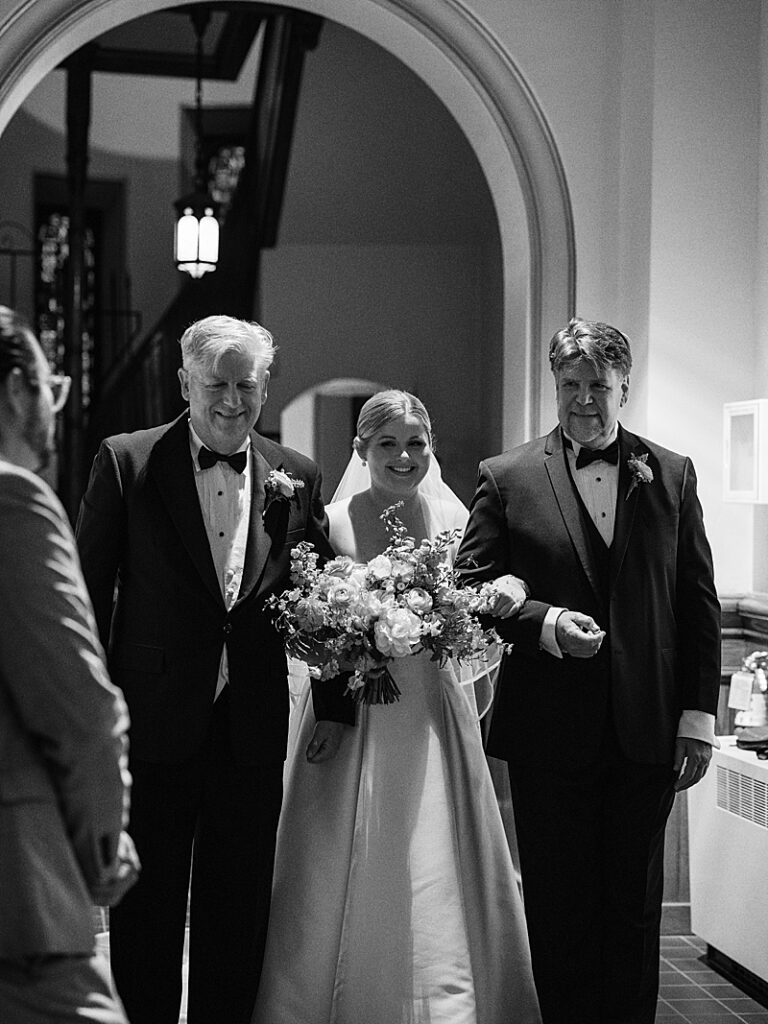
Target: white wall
570	54
703	246
760	376
419	333
655	106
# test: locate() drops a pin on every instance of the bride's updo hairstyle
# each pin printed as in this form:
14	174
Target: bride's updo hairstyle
382	408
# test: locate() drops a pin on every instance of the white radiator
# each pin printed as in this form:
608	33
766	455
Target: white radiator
728	840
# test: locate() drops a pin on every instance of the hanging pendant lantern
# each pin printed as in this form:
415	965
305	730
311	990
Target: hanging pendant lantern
196	237
196	249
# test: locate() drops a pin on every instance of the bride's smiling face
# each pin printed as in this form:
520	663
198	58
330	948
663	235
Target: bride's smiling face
398	455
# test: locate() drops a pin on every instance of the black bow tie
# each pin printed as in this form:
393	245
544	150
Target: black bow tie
588	455
237	460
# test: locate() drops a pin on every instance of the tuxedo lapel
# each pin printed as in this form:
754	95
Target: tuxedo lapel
170	465
568	503
626	503
259	542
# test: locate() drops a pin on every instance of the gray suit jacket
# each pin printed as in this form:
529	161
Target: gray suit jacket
62	731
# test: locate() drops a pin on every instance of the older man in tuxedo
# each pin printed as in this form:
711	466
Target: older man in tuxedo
192	523
606	703
63	779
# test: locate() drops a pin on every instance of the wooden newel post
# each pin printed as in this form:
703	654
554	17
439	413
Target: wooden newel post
72	473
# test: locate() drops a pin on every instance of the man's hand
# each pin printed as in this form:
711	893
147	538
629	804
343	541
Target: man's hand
325	742
121	873
578	635
510	597
692	759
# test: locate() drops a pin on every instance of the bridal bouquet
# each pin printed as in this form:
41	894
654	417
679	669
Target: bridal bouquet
359	617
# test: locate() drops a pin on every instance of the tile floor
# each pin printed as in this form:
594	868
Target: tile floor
689	993
692	993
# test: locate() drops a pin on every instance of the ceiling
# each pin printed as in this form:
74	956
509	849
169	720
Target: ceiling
164	43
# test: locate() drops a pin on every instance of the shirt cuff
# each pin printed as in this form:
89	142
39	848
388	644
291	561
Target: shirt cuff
698	725
548	638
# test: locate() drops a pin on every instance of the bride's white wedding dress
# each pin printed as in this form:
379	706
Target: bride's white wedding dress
395	898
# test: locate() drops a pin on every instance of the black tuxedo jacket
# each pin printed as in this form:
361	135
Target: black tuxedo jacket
158	603
657	604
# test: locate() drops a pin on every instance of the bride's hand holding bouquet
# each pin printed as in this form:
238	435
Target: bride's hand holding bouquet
359	617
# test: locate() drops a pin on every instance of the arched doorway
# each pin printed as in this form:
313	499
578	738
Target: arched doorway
476	79
321	423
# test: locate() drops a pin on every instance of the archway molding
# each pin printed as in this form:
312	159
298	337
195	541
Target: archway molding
447	44
297	419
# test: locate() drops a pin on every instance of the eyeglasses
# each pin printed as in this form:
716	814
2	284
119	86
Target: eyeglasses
59	384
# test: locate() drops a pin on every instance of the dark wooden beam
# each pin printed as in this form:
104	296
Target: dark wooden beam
78	126
301	34
257	204
235	42
223	61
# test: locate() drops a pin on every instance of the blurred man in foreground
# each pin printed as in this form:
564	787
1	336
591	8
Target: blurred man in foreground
63	783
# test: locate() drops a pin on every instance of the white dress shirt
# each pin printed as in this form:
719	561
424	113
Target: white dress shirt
225	501
598	485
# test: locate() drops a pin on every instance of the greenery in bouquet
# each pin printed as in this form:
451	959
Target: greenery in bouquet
355	617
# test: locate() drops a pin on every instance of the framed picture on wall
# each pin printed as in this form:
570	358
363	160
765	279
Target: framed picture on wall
745	435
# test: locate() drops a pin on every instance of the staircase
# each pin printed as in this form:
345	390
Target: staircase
141	388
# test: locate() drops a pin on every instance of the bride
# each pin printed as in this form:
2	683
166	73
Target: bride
395	899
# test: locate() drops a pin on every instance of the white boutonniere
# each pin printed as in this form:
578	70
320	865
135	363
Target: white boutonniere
640	470
280	487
